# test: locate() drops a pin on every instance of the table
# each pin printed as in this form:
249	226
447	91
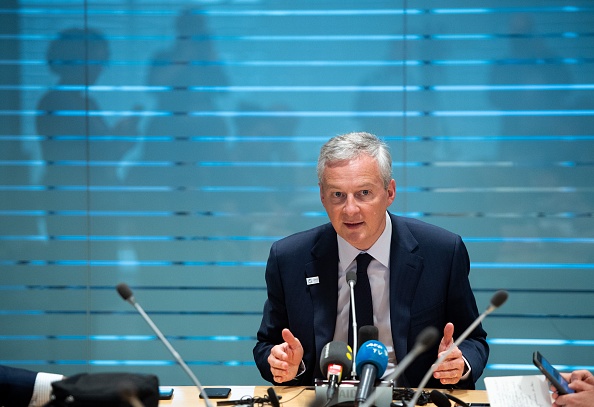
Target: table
292	396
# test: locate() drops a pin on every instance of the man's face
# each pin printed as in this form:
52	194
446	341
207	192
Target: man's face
356	201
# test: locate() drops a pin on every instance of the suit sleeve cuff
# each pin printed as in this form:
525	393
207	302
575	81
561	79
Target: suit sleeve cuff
43	388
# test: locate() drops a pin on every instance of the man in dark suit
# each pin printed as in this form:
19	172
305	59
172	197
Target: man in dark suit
418	276
22	387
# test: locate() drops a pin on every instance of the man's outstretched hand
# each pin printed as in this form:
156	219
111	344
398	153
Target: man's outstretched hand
284	359
452	368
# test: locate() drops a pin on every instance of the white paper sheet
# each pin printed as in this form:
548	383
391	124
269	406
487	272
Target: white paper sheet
518	391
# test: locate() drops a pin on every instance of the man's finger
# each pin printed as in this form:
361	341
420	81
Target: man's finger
290	339
448	333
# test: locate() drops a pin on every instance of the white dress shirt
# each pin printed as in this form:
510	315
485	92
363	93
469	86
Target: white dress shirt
379	280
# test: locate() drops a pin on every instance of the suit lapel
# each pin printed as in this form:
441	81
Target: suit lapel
405	271
324	294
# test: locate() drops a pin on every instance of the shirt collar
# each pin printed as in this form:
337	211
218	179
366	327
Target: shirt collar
380	249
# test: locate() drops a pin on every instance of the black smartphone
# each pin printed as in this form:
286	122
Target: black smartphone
551	373
217	392
165	393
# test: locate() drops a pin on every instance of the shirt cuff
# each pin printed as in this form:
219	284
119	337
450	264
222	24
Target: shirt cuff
467	370
301	369
43	388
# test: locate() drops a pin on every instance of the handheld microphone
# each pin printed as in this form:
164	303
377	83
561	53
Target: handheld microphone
372	361
126	293
351	278
336	358
496	301
425	340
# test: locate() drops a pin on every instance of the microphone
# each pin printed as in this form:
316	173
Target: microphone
496	301
351	278
425	340
438	395
440	399
272	397
126	293
372	361
368	333
336	358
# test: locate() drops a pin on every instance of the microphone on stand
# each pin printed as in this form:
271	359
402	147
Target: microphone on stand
351	278
335	359
496	301
368	333
424	341
372	361
126	293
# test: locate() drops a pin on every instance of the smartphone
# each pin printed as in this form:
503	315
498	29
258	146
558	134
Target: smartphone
165	393
551	373
217	392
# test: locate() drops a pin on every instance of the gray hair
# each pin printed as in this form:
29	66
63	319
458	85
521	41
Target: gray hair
351	145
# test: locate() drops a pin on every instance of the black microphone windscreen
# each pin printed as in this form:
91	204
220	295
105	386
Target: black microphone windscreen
336	352
440	399
368	333
428	337
499	298
124	291
351	276
272	397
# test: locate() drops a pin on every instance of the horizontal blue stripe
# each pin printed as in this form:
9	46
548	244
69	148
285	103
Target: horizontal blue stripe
539	342
514	366
541	316
304	89
285	164
127	362
164	263
45	287
320	113
119	263
533	265
144	238
138	238
40	10
87	312
292	63
290	139
135	338
140	338
312	189
307	214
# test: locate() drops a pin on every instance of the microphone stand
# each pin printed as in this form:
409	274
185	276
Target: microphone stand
178	358
498	298
352	280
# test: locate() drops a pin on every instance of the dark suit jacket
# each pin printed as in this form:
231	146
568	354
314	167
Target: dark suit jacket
16	386
429	286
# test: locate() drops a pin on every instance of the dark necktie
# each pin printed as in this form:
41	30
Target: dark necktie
363	301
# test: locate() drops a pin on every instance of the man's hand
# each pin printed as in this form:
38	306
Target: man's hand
284	359
452	368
